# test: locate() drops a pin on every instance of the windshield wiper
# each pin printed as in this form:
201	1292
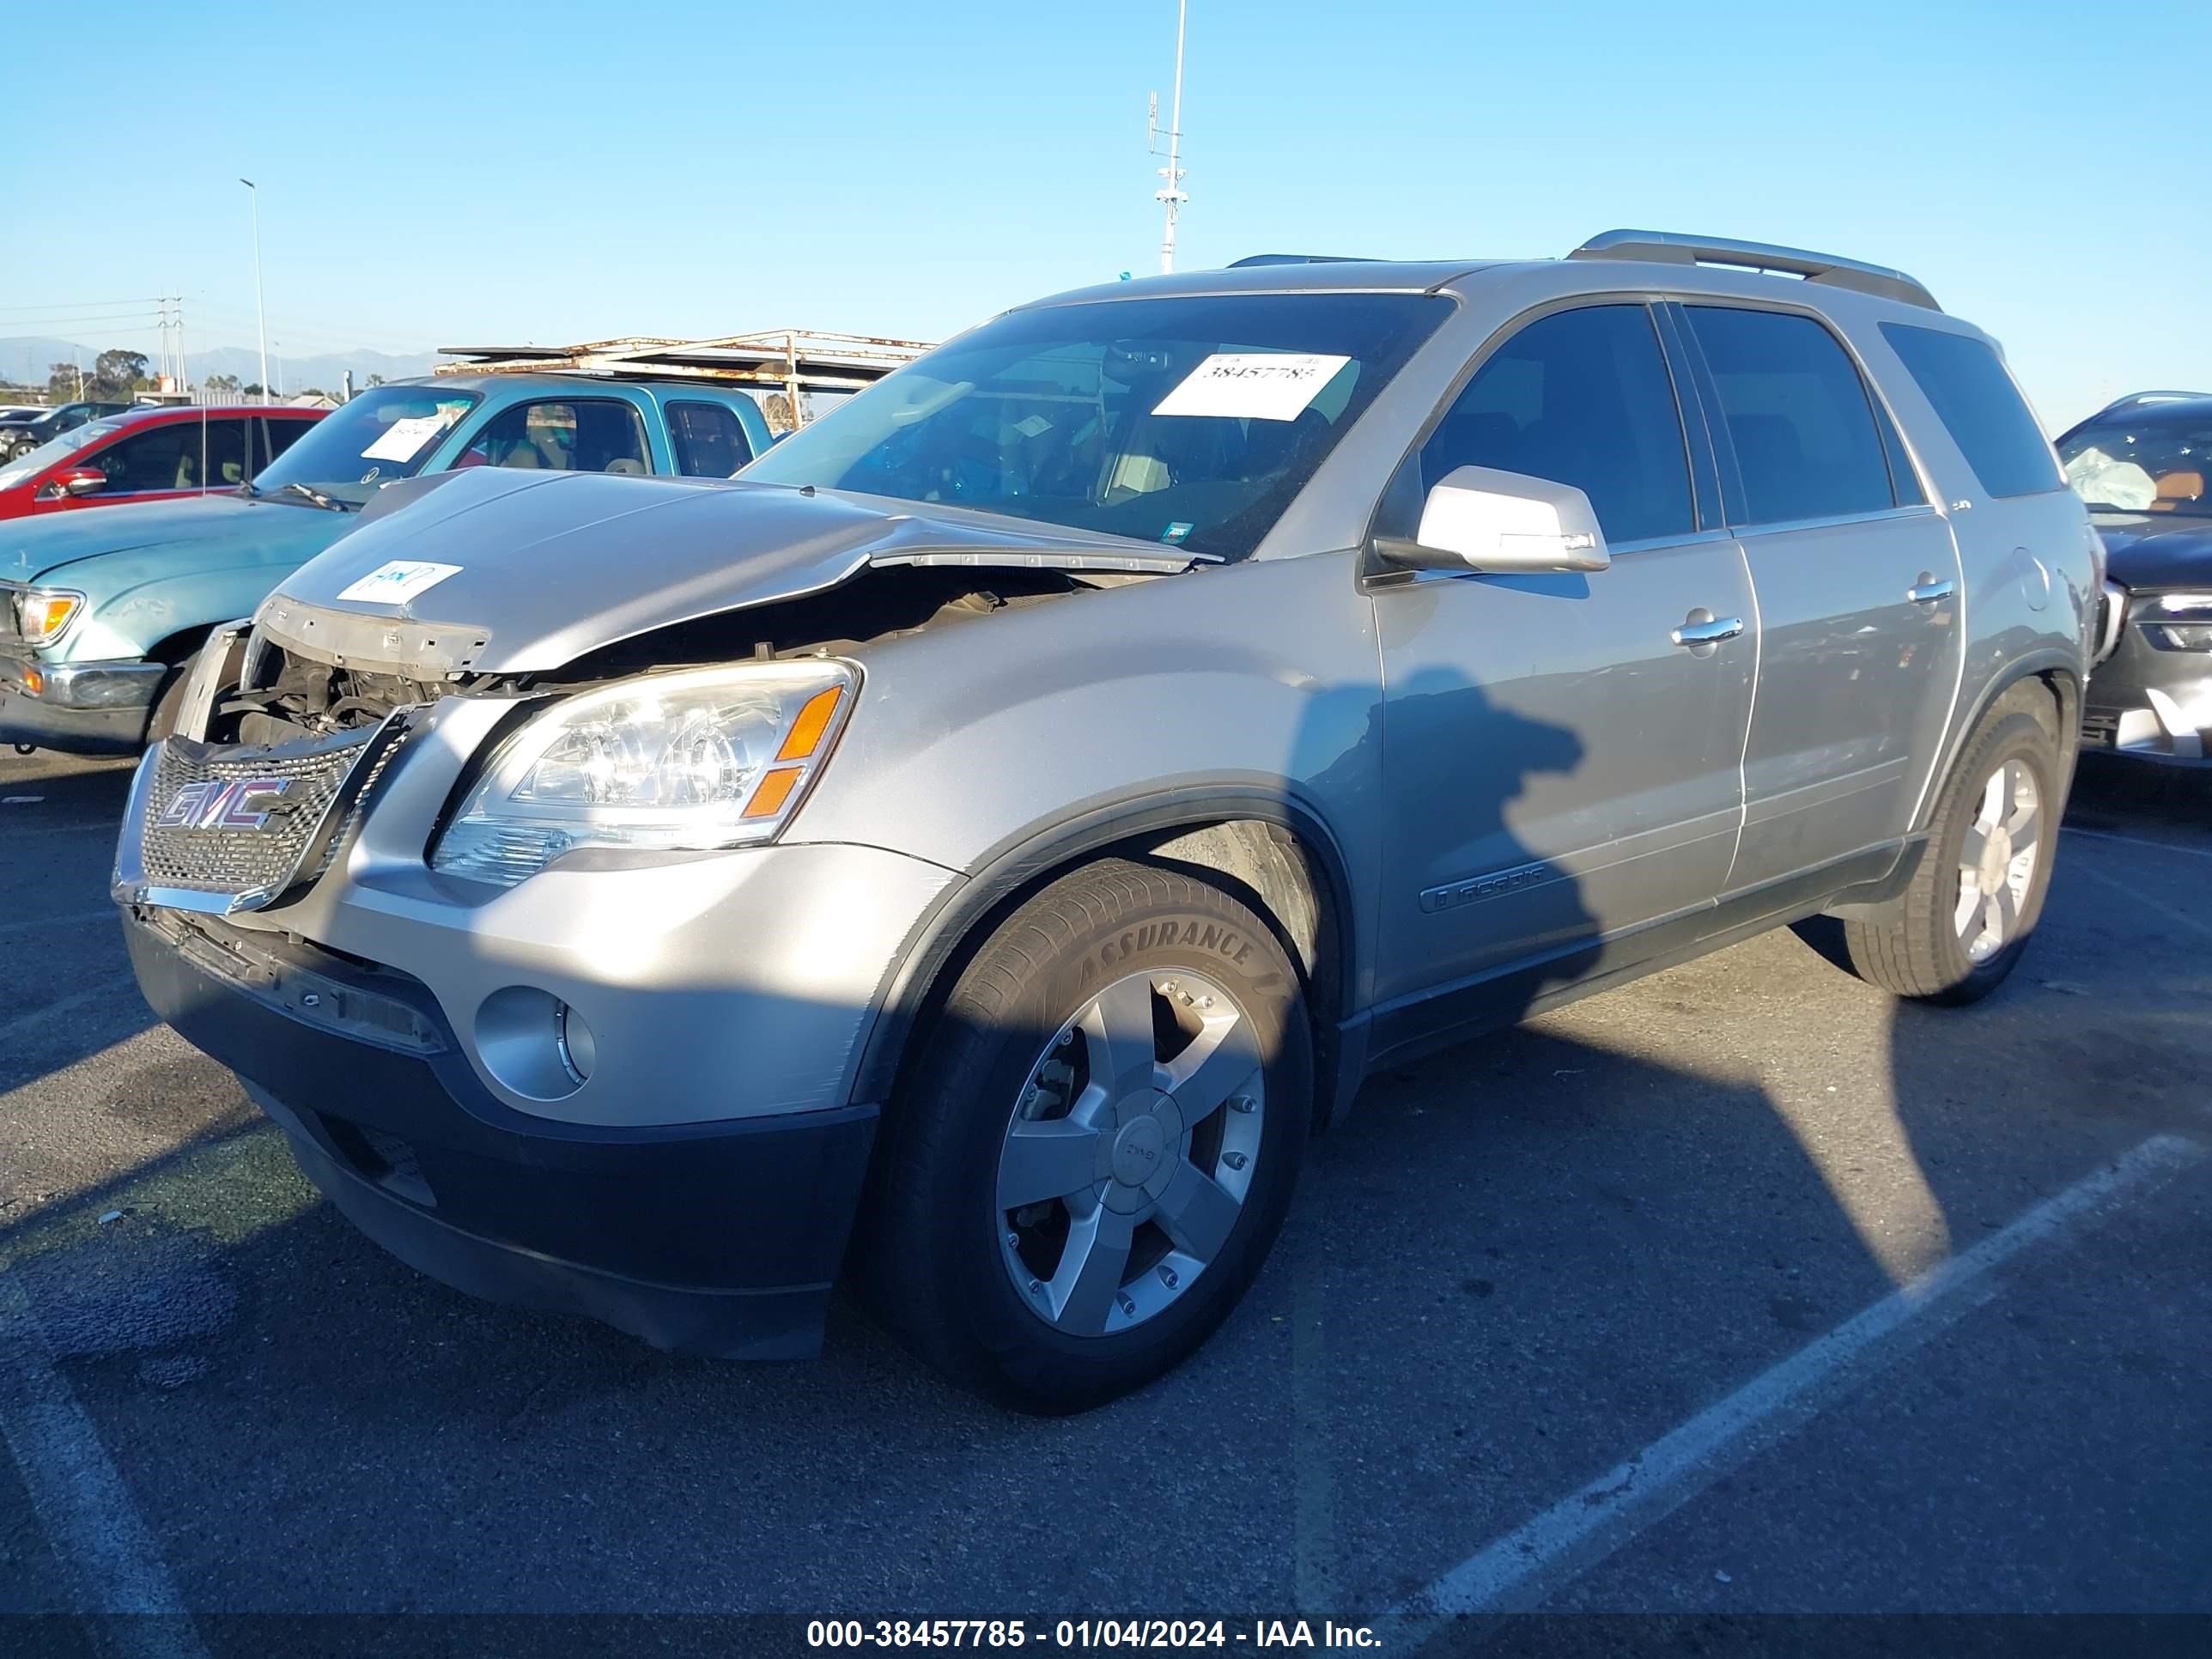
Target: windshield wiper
316	497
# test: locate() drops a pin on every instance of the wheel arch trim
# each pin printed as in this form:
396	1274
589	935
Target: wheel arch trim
1032	856
2040	665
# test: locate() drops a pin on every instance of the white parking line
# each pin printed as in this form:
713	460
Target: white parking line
47	924
68	1005
1521	1569
2136	840
108	1560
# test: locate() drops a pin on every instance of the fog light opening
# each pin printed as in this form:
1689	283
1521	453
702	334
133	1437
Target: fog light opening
533	1043
579	1048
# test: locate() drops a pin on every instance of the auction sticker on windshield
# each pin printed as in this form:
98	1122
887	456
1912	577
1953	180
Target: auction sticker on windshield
1253	386
401	440
399	581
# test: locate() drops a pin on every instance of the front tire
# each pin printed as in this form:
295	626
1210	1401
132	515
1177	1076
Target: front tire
1965	922
1097	1143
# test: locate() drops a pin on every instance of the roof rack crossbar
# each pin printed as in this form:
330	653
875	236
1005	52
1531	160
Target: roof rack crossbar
792	360
1672	247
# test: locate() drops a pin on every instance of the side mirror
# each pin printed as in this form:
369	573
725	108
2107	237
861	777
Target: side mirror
76	481
1478	518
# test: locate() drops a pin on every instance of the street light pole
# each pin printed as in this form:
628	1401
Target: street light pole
260	318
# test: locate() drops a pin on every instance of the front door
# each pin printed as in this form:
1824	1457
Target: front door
1558	772
160	462
1857	581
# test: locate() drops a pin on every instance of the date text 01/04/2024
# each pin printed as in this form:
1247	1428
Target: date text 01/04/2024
1085	1635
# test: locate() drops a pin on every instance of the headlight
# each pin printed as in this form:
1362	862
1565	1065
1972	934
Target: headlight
43	614
706	758
2177	621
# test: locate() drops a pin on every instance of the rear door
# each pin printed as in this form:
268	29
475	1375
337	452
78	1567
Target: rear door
1557	769
1857	586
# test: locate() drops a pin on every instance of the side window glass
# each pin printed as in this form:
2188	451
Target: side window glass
1580	397
159	459
1903	483
223	466
708	440
277	436
1797	413
1979	407
583	435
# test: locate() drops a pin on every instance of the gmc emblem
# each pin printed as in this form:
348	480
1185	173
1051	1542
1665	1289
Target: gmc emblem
211	803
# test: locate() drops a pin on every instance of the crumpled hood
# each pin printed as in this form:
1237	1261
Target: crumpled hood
546	569
2156	551
251	532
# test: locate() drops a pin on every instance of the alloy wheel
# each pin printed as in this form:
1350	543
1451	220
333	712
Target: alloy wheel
1997	859
1130	1151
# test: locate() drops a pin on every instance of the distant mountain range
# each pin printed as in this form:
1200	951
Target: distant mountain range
26	359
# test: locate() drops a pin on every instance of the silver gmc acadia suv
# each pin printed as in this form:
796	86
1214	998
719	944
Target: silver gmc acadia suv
984	840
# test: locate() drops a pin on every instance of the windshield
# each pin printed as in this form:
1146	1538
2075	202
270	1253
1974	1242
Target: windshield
1188	422
2153	462
384	433
33	462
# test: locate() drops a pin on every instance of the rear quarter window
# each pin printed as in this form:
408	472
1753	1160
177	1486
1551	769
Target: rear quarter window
1980	407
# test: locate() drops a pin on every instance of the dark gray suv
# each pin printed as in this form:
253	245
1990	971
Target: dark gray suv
1005	822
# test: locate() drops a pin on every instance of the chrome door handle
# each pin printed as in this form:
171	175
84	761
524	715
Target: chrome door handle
1709	631
1927	590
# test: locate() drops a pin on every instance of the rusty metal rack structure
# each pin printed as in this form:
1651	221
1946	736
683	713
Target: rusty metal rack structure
789	360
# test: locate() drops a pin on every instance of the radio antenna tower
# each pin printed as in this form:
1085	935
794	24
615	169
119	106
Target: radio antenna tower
1171	196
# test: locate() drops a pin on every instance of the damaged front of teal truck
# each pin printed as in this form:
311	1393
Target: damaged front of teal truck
102	615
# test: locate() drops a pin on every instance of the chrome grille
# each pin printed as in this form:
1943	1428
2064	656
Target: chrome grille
188	843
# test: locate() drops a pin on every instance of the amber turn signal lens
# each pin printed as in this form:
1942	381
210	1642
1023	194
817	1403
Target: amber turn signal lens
775	789
41	617
805	734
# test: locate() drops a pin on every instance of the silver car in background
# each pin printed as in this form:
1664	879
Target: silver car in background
1000	827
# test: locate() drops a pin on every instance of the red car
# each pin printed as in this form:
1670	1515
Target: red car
151	454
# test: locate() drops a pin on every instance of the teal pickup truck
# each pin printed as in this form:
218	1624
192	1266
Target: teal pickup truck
101	613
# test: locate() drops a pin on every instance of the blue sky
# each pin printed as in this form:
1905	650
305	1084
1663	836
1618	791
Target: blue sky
439	173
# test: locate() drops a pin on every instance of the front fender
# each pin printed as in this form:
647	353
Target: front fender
131	610
1008	746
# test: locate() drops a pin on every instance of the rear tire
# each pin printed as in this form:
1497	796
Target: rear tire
1965	922
1097	1143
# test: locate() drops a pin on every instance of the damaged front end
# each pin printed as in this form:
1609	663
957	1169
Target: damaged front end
290	722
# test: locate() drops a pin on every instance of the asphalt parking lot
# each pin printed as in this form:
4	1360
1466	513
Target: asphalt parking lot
1642	1308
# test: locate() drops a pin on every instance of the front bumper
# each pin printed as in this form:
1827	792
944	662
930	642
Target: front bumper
717	986
77	708
718	1238
2144	703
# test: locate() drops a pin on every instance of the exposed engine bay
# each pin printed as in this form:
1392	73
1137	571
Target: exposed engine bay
283	694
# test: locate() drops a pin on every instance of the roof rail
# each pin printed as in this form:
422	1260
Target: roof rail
2136	400
790	359
1300	259
1671	247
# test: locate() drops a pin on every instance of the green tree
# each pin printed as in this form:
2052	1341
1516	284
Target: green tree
220	383
116	375
63	381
